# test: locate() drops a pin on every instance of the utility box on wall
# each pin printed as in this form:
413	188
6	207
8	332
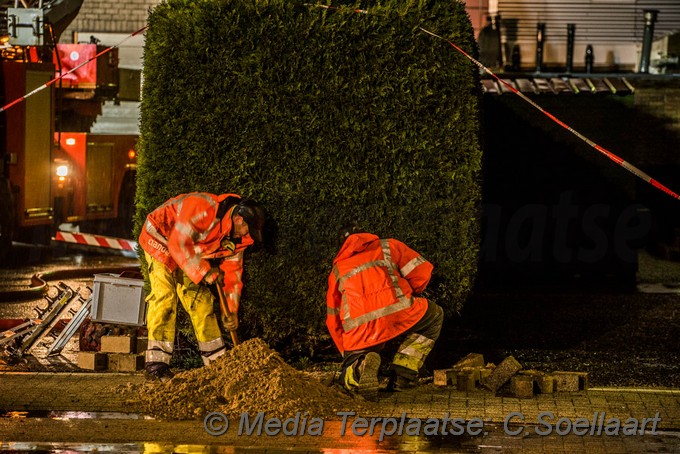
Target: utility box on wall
119	300
130	82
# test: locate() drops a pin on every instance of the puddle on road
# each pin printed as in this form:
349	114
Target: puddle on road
66	415
346	444
163	448
494	439
157	448
73	447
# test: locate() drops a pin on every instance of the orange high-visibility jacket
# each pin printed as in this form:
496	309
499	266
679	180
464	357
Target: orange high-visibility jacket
370	291
185	232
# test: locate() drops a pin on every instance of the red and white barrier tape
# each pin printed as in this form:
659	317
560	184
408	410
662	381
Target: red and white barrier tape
96	240
44	86
626	165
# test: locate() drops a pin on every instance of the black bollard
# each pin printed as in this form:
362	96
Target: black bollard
489	47
650	19
571	31
516	58
590	59
540	39
497	27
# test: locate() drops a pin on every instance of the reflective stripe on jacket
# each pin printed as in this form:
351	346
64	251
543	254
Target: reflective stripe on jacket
370	291
185	232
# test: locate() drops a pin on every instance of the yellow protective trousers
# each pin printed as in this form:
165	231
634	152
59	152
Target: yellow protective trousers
166	289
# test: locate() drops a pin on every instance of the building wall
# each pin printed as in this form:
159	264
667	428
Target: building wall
111	22
109	16
614	28
478	10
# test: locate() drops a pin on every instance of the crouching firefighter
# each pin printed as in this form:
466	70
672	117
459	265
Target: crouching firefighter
370	301
190	242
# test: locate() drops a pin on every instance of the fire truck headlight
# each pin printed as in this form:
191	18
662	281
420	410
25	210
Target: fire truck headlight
62	171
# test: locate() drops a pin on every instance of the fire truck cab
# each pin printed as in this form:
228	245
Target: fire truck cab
53	170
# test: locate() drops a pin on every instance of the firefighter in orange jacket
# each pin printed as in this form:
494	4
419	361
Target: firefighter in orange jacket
191	241
370	301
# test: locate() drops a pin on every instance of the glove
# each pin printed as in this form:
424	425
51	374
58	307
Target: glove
232	323
215	275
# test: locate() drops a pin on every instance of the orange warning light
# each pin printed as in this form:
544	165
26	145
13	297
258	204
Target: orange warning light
132	154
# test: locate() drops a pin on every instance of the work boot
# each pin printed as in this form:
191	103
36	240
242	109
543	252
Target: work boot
368	377
398	383
158	372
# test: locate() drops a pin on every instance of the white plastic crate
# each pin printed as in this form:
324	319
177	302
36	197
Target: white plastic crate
118	300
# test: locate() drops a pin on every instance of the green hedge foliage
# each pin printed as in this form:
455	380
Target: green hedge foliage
325	116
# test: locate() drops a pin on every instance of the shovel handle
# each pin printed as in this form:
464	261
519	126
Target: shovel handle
226	313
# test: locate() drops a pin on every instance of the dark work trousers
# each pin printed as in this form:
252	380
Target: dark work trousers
416	345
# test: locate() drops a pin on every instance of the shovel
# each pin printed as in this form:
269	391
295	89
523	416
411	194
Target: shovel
227	315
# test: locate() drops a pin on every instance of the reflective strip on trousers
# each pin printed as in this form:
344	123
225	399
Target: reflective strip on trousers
211	346
165	346
157	356
159	352
413	351
348	379
208	359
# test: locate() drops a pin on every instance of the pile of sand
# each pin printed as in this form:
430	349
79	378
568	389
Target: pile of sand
250	378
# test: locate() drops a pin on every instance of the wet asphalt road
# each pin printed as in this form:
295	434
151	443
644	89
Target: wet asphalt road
27	261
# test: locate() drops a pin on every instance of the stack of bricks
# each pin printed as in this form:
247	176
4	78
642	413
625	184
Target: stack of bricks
467	374
471	373
117	354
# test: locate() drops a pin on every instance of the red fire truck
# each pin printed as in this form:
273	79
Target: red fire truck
48	175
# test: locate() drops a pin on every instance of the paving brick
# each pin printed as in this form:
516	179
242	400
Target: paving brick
467	379
444	377
522	386
142	344
485	373
92	360
470	360
118	344
502	373
544	382
570	381
125	362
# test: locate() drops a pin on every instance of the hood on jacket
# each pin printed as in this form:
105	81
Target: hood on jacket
355	243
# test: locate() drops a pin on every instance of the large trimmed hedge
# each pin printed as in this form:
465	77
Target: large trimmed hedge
325	116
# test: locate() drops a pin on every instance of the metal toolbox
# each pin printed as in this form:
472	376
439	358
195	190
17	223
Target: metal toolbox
119	300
